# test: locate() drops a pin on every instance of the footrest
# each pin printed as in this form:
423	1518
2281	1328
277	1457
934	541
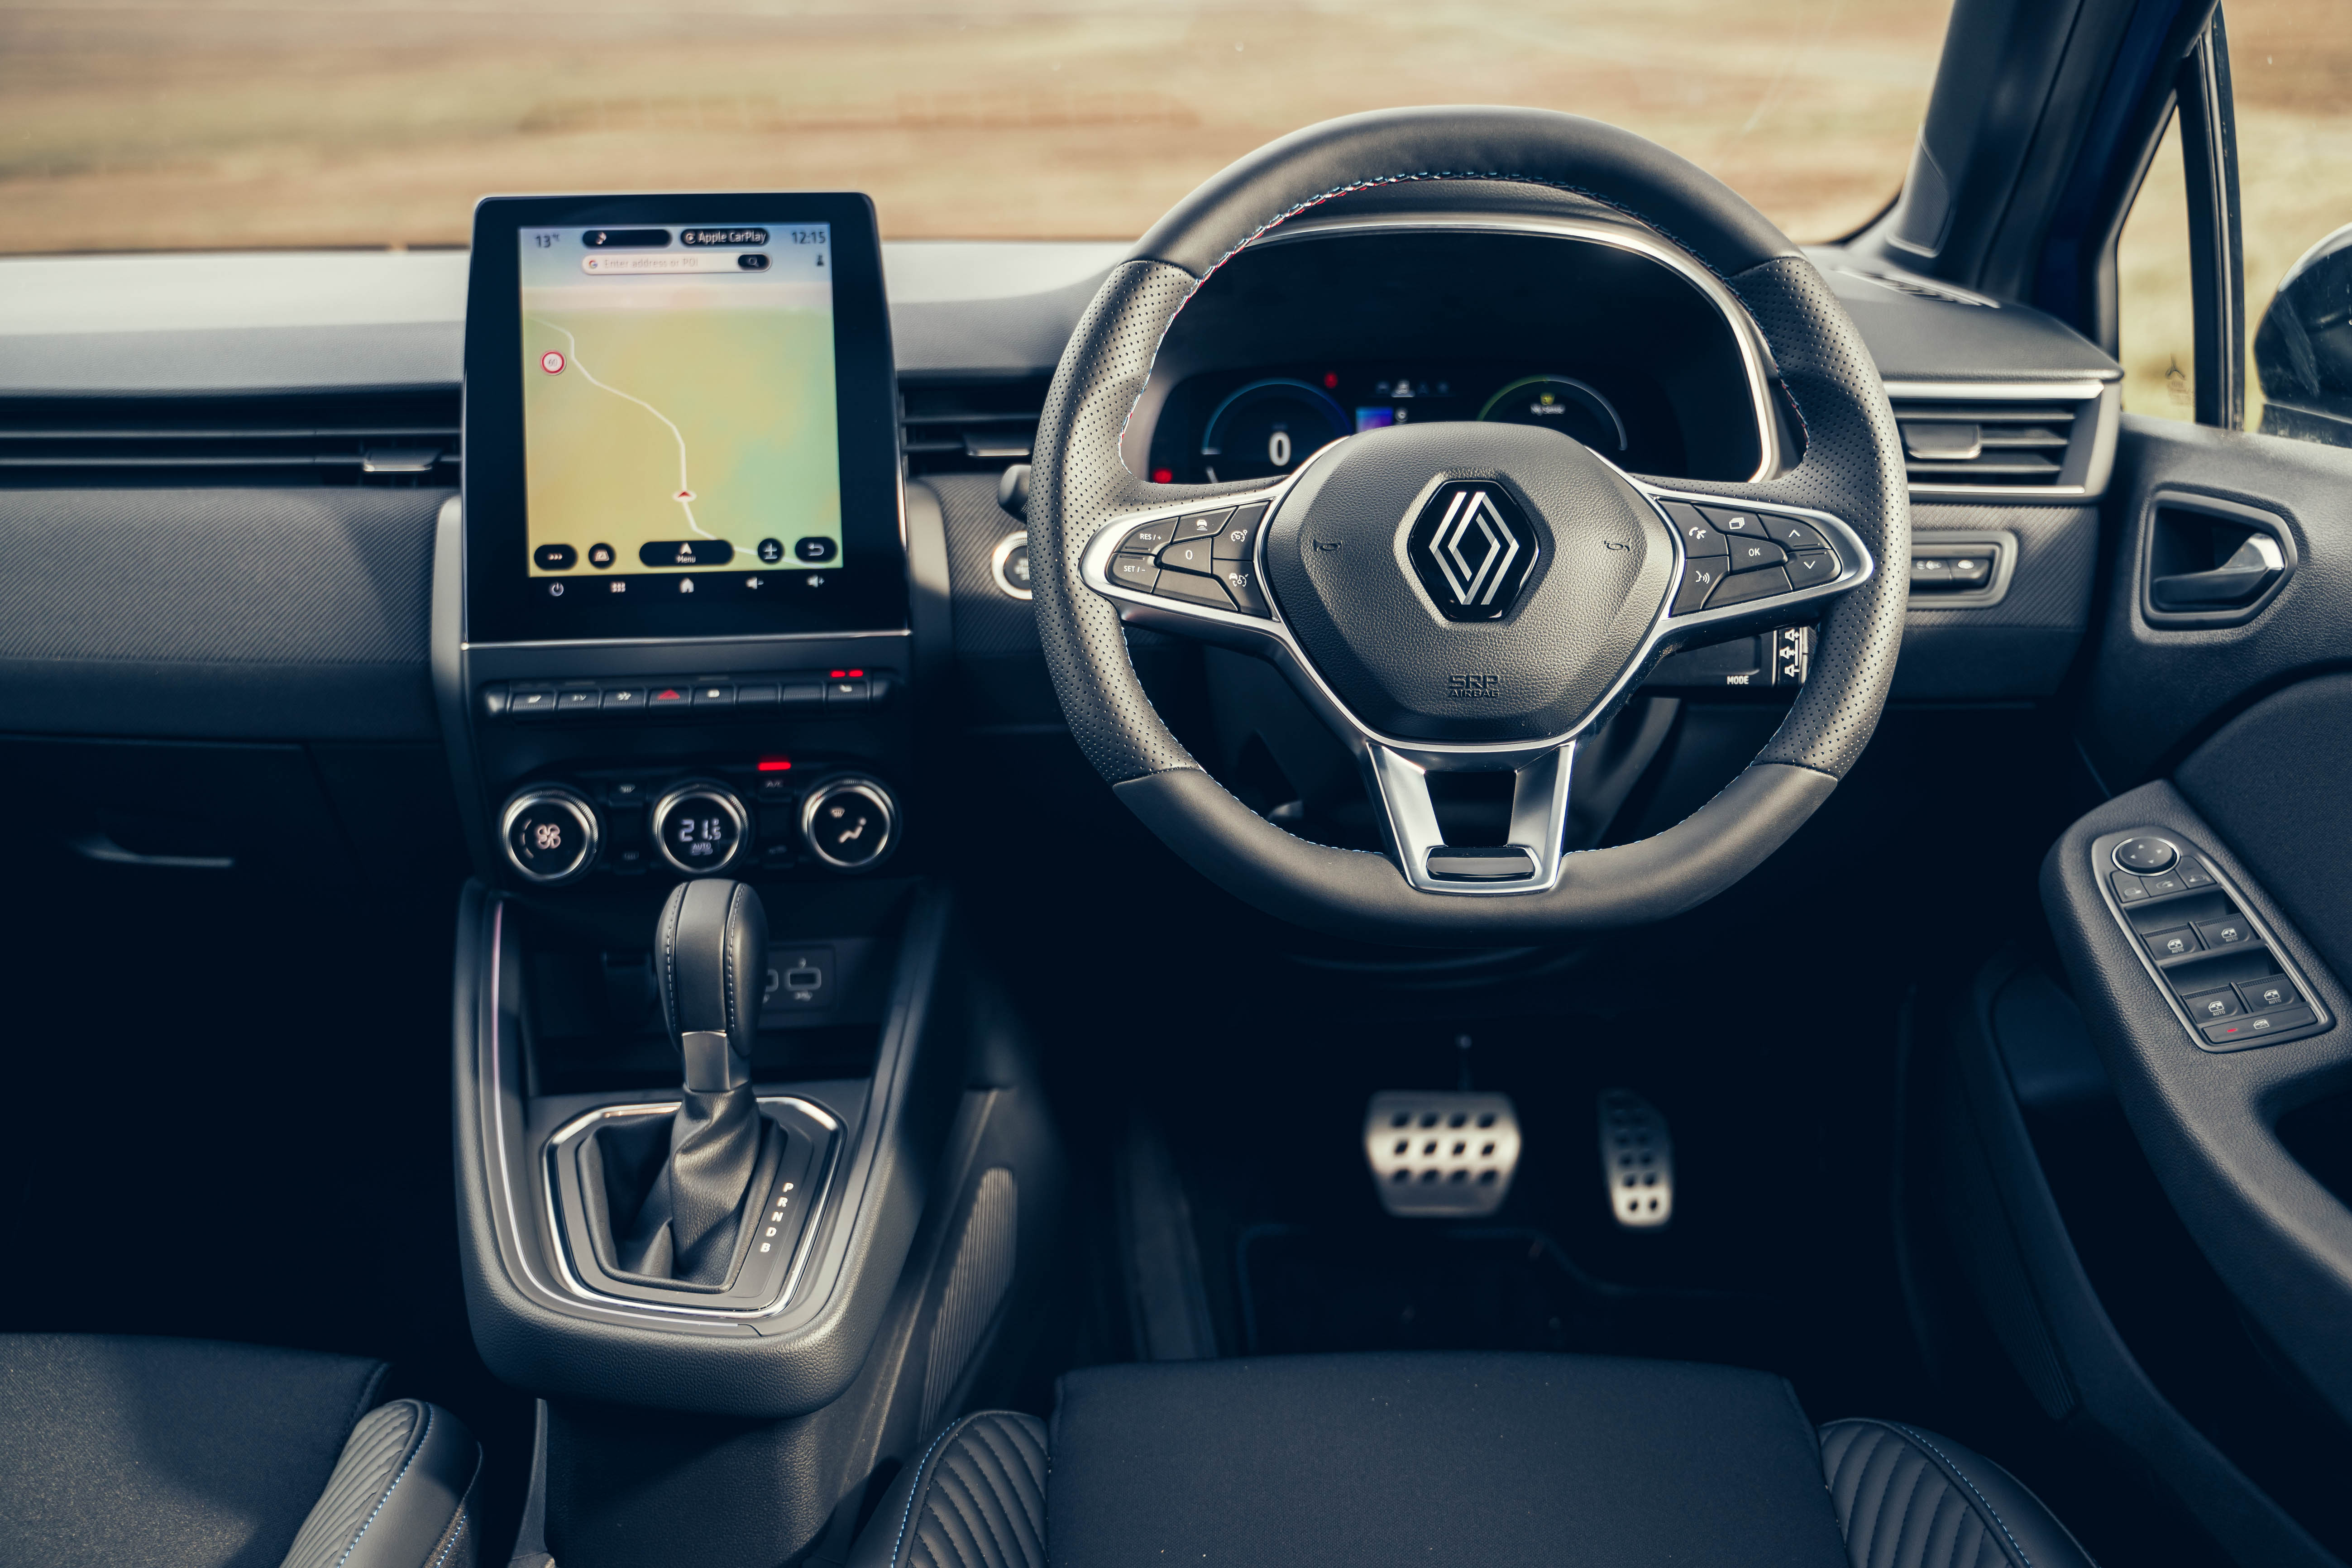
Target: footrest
1439	1155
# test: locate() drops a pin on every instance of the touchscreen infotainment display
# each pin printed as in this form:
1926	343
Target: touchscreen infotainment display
678	416
681	419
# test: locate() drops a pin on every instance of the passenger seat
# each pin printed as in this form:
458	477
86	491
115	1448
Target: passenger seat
195	1454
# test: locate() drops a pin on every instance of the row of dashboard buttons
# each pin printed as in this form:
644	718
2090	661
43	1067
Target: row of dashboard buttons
1206	558
750	694
1732	556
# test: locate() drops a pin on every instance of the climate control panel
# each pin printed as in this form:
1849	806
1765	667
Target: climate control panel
773	815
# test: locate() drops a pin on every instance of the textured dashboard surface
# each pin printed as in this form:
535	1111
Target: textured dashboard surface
224	613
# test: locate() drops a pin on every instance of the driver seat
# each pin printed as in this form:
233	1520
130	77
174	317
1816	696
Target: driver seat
1467	1460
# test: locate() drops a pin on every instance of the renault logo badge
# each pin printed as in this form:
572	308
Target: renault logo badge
1473	549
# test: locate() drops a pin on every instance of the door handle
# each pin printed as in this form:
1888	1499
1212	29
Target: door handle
2240	580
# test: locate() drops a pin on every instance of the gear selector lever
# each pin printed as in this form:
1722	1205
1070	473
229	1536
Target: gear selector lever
710	960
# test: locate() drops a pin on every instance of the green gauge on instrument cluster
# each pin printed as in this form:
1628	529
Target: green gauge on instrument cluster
1558	403
1267	428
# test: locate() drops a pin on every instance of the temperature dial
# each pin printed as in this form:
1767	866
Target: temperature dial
550	835
700	827
850	824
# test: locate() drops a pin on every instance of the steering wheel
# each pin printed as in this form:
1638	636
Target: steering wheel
1472	597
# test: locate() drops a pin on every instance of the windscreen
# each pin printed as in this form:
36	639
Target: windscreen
679	425
226	124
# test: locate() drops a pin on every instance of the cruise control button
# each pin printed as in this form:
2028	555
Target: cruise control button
1240	579
1149	536
2241	1031
1238	540
1137	571
1742	586
1202	524
2262	995
1750	554
1194	588
2147	854
2208	1006
1699	579
1735	524
2228	932
1700	536
2128	889
1794	533
2172	943
1812	569
1189	556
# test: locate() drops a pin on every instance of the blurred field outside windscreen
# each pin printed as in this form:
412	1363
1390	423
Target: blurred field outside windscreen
216	125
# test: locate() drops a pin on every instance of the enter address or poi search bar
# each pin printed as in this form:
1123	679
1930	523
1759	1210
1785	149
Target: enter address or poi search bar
669	262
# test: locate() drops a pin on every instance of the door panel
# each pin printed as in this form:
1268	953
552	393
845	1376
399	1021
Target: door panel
2155	693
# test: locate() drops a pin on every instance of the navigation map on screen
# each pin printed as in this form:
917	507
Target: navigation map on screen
678	408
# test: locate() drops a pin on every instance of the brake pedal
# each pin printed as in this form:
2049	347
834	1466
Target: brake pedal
1637	1161
1441	1156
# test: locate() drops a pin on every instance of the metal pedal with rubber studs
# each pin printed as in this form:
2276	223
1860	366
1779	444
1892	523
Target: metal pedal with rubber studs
1637	1161
1436	1155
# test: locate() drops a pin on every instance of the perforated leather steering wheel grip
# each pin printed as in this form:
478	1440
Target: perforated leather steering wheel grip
1852	468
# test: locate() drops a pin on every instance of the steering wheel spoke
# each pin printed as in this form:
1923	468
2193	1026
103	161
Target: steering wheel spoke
1195	567
1527	861
1737	559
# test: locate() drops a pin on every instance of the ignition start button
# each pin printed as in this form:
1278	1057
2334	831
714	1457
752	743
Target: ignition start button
2145	855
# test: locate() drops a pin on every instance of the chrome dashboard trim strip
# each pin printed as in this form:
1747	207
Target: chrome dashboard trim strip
1998	391
739	637
1622	237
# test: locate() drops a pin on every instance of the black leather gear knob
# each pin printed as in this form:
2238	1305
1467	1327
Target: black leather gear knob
710	954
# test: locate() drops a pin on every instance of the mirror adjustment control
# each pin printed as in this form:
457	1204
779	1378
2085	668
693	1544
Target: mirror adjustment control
2145	854
850	823
700	827
550	835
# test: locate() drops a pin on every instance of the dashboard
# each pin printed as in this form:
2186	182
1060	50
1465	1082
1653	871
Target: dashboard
283	438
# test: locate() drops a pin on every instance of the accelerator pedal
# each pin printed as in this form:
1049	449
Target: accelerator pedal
1441	1156
1637	1161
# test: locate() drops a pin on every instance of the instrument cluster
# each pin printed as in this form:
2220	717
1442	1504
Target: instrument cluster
1262	422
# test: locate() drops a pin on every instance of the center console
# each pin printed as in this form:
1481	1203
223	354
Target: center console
679	646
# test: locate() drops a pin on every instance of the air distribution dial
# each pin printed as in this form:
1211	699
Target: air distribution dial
850	823
700	827
550	835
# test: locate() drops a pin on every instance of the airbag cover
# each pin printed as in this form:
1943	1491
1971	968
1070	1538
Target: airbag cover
1374	611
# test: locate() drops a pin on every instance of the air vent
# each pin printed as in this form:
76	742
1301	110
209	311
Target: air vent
2005	440
400	440
969	427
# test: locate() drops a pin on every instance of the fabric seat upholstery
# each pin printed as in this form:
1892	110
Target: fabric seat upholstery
194	1453
1449	1461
